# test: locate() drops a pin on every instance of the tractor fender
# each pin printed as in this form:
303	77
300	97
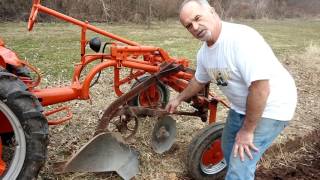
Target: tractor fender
7	56
1	42
2	63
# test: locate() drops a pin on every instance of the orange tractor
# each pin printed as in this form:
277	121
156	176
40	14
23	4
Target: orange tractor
24	124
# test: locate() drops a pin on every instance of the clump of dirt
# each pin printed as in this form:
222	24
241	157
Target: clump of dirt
295	159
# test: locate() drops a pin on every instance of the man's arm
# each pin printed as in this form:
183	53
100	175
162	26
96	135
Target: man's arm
192	89
256	102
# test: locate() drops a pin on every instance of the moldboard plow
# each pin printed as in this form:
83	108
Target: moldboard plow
24	124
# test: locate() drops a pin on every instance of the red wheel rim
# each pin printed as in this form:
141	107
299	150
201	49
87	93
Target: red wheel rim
213	155
150	97
2	163
5	125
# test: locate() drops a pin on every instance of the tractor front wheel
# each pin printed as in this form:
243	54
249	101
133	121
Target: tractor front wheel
24	154
205	157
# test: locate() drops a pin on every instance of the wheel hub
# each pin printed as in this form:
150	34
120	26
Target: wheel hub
212	160
15	163
213	155
150	97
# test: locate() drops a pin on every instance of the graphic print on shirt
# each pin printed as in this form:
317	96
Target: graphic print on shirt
220	76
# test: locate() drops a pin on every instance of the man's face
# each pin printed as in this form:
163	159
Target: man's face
199	21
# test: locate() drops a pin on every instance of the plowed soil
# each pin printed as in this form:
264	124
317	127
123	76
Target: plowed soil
294	155
299	156
305	165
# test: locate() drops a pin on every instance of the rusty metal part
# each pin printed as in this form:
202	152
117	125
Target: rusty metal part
219	99
126	124
164	134
57	121
132	113
114	107
108	152
145	111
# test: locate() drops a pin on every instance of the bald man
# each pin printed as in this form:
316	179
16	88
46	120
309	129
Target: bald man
262	93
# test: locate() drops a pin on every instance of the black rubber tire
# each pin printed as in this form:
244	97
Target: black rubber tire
27	109
19	71
198	145
160	87
23	71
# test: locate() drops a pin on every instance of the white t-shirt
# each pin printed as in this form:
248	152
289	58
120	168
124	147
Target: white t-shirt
239	57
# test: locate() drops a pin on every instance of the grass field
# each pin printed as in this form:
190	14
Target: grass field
55	47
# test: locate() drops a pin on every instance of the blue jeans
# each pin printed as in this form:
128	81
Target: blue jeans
266	131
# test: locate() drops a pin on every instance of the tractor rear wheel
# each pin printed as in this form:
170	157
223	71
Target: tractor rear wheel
205	157
147	98
25	153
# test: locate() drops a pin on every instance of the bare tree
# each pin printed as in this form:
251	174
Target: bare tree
105	9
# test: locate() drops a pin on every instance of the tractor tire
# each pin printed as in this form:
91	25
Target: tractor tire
23	71
23	111
205	158
19	71
162	91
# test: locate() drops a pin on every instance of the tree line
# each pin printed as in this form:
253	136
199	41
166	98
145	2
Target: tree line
144	11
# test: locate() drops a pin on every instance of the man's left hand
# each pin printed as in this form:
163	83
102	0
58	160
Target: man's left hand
244	143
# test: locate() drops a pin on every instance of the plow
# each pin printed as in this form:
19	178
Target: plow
24	121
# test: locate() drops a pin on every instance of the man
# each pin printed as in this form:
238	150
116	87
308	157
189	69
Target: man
262	93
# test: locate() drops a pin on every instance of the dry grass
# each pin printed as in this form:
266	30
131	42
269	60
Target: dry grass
54	48
312	55
298	159
307	73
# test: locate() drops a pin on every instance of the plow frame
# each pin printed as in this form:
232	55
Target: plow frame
123	53
120	56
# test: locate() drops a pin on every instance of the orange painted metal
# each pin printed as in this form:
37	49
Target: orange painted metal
9	57
150	97
2	163
59	120
176	83
33	83
145	67
51	96
38	7
1	42
213	154
122	54
2	62
213	111
87	81
131	76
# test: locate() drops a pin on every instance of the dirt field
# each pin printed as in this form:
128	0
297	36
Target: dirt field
298	157
304	161
295	154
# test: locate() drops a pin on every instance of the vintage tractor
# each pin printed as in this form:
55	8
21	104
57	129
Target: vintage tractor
24	124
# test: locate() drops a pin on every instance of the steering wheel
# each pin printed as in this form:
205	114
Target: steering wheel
33	14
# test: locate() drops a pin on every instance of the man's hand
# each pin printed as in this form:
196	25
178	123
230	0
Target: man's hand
256	101
172	105
192	89
244	143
